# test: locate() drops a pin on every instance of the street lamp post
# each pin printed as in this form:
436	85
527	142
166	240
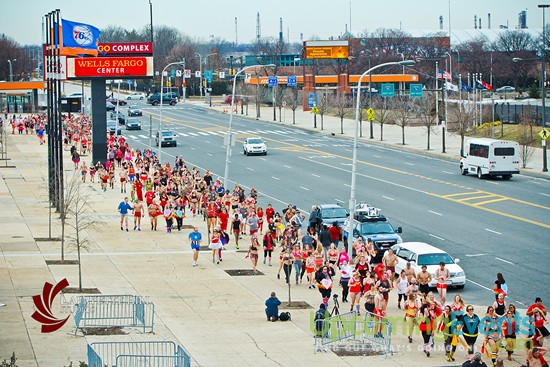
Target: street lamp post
161	103
200	68
353	199
11	69
402	83
544	154
229	134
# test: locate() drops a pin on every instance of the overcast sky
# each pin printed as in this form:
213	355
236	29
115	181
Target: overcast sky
22	21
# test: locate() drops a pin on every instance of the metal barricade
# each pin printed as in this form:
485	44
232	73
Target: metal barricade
371	329
334	329
138	354
377	331
113	311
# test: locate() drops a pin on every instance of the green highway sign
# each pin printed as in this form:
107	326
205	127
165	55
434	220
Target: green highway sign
415	90
388	90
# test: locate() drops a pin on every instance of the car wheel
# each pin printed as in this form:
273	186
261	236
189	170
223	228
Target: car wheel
265	153
463	171
155	103
506	177
141	98
172	103
479	174
460	286
129	98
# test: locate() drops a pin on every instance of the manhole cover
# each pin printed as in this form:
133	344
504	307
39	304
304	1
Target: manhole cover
355	350
243	272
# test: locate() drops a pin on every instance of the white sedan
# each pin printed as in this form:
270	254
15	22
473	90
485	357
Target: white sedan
136	95
254	146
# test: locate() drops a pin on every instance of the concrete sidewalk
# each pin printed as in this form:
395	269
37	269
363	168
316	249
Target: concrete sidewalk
219	318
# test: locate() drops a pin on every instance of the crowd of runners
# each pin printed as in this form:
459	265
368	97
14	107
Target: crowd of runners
304	250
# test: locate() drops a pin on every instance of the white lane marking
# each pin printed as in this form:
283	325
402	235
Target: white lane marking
213	132
387	197
434	236
347	150
133	137
367	176
475	255
504	261
338	200
447	172
287	166
202	133
210	154
304	188
491	182
490	230
182	134
275	178
436	213
143	136
409	164
479	285
347	185
544	194
193	148
262	159
314	175
376	156
193	134
346	164
250	169
207	141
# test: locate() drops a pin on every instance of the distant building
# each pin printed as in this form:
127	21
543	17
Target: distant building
522	19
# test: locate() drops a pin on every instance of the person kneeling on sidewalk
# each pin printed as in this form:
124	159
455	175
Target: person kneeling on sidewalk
272	307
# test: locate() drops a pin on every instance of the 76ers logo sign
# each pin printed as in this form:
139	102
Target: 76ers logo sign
83	35
43	304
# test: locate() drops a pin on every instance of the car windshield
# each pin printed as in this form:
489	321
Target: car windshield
133	121
377	228
333	213
111	123
167	133
255	141
434	259
134	107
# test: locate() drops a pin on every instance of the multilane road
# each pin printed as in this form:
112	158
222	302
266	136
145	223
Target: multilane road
491	225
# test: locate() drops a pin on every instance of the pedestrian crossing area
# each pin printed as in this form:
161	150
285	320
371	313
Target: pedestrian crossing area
199	133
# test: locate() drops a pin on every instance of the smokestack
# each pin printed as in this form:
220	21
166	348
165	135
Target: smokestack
281	30
489	21
258	28
479	20
475	21
441	22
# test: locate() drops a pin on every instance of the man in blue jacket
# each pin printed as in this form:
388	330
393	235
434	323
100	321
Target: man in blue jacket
272	307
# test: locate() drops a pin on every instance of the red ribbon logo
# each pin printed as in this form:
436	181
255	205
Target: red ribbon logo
43	304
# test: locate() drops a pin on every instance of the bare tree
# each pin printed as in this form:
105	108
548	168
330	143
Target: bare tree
78	198
381	113
342	108
460	120
526	140
402	109
323	105
293	98
426	110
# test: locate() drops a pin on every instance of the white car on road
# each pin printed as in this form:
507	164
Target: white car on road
136	95
420	253
254	146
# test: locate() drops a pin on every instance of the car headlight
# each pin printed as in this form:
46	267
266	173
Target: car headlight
460	274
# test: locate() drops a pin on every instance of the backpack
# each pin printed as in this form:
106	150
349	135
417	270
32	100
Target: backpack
284	316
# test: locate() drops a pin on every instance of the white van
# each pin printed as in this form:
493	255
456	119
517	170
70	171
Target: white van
490	157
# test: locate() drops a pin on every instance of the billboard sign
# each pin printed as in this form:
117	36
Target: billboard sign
111	67
327	49
132	48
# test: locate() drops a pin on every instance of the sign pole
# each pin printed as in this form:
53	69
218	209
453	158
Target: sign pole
544	157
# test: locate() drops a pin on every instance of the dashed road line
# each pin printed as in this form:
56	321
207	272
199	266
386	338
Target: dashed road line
436	213
387	197
504	261
304	188
434	236
490	230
